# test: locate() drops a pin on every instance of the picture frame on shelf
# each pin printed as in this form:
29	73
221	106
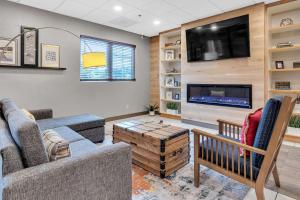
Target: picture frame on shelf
170	81
296	64
177	96
169	95
50	55
8	55
169	55
29	46
279	64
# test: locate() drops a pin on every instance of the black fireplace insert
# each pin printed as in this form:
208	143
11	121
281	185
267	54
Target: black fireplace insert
220	95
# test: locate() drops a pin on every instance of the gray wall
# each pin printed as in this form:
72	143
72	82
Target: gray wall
63	91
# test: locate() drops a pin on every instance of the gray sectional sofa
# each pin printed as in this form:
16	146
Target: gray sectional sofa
92	172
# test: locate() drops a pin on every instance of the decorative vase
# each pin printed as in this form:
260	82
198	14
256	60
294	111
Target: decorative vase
172	112
293	131
151	113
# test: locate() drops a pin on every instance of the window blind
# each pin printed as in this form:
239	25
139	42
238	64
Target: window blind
120	59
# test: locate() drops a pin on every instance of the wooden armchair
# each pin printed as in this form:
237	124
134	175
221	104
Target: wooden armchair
221	152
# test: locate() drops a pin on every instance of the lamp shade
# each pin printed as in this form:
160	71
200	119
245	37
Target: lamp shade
94	59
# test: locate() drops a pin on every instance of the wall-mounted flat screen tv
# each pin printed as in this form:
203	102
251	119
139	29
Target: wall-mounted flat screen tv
220	40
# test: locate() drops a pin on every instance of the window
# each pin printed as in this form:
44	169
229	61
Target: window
120	59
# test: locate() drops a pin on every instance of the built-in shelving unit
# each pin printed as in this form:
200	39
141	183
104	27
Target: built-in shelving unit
170	69
274	91
172	60
171	87
284	49
172	47
169	74
280	34
171	100
293	27
284	70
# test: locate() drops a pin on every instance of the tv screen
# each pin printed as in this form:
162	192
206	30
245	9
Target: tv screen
220	40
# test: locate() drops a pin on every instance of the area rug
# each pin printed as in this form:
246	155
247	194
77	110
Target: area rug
180	186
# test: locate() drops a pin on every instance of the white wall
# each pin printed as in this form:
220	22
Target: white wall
62	90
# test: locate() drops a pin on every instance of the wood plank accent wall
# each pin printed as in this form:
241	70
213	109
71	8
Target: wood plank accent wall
230	71
154	74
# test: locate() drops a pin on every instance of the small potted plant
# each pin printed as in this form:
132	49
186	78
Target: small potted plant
152	108
294	125
172	108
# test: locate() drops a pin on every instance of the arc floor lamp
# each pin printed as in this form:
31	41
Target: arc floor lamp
90	59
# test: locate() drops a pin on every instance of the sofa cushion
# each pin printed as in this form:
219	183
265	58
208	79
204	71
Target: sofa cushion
213	148
11	157
82	147
95	134
265	128
68	134
76	123
26	134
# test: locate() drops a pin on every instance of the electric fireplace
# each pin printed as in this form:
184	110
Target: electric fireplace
220	95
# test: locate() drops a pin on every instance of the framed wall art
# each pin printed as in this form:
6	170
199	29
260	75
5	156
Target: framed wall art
170	81
8	55
279	64
169	95
50	56
170	55
29	46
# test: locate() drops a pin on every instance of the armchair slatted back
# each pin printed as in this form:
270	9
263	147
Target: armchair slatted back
285	112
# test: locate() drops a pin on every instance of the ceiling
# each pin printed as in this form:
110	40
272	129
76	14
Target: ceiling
138	16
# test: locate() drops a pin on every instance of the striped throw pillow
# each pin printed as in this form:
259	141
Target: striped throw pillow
56	147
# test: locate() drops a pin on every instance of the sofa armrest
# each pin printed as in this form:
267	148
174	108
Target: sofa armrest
103	174
42	113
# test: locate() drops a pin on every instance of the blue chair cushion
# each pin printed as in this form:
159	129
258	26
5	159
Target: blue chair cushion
265	128
233	155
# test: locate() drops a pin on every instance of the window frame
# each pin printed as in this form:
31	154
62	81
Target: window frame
110	43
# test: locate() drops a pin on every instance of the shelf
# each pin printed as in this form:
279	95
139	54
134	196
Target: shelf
171	116
285	70
170	87
293	27
285	91
171	100
284	49
37	68
175	60
170	74
171	47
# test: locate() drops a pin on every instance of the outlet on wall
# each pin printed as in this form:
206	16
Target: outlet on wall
127	106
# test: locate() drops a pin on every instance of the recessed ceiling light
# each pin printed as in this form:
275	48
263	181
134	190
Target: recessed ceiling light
118	8
156	22
214	27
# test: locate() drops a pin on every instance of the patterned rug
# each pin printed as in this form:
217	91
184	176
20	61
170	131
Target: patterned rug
180	186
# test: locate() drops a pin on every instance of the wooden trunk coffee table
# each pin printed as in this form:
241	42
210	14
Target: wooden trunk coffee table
159	148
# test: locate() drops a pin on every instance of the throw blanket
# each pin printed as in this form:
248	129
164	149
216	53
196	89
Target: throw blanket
56	147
